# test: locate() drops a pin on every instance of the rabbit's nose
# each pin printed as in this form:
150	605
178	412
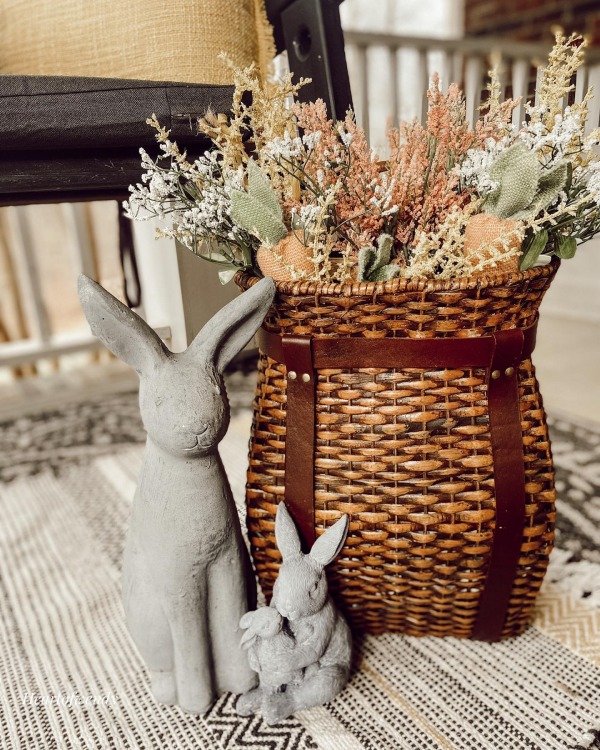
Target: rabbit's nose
197	430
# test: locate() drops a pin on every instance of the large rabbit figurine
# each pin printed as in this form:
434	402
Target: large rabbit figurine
187	577
322	643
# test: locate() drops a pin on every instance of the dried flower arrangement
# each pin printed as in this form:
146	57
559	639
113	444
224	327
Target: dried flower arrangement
291	194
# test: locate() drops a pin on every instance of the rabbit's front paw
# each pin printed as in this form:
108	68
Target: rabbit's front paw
277	707
298	677
163	687
249	703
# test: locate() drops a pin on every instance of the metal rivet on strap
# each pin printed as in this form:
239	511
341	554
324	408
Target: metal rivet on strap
292	375
496	374
509	371
305	378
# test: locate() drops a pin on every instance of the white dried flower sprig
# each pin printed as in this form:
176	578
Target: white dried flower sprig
194	197
474	170
563	140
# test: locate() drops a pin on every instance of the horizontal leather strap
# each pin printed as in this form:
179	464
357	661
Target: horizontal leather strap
352	352
500	354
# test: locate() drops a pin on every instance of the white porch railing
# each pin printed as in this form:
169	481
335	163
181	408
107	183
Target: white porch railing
389	74
38	341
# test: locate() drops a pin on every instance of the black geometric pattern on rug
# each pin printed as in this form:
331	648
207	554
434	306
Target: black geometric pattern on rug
235	731
576	451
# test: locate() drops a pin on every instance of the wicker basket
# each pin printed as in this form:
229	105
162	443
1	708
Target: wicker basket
443	463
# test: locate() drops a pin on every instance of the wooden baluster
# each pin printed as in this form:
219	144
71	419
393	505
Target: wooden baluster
363	87
394	85
381	93
20	319
473	83
29	282
520	79
457	68
498	62
83	248
581	84
445	70
593	120
422	84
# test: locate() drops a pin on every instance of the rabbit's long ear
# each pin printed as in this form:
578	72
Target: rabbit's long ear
126	335
228	332
329	545
286	534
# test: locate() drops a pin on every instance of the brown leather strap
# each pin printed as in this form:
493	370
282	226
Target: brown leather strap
300	434
388	353
499	354
509	484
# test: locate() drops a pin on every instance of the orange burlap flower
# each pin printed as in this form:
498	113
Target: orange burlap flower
484	235
288	255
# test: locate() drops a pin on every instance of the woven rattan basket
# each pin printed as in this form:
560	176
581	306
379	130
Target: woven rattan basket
440	455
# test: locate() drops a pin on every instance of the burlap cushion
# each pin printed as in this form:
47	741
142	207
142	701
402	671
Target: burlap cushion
142	39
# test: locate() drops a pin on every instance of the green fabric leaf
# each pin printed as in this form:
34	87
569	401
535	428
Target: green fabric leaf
259	187
518	171
384	250
385	273
249	213
366	259
525	188
552	181
374	262
567	246
534	250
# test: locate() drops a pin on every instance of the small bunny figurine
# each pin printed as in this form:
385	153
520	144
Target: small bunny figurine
267	637
187	577
322	641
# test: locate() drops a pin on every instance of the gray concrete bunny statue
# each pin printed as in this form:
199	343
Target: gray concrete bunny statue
302	651
187	577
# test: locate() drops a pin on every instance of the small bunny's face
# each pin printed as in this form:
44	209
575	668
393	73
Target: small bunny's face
301	586
300	589
184	408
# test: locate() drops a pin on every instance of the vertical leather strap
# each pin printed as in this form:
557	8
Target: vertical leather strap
300	434
509	482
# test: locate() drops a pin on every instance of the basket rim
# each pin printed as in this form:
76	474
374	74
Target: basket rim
245	279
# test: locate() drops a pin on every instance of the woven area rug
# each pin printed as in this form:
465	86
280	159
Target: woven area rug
71	678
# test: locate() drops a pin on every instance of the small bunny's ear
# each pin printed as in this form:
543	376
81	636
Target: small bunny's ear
246	620
122	331
228	332
329	545
286	534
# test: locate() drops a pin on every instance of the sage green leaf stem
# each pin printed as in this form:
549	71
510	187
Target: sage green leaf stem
374	262
257	210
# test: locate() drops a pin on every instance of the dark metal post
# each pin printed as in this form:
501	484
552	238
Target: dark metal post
311	32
